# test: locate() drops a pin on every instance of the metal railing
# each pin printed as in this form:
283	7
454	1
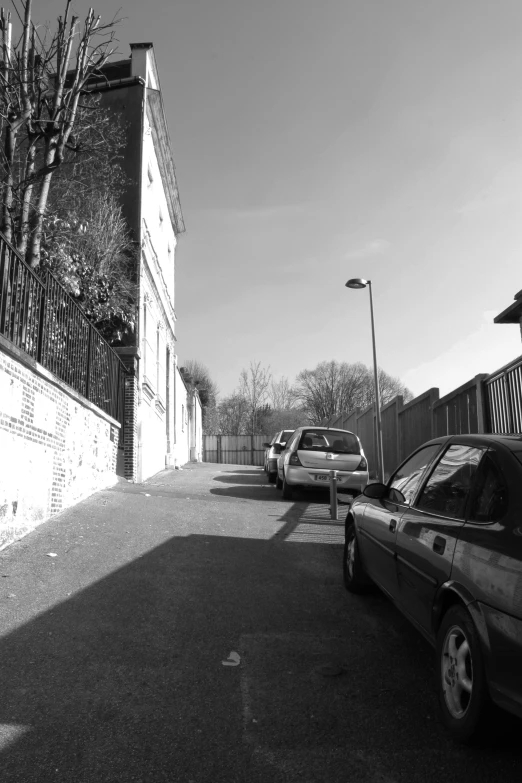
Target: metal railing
39	317
504	398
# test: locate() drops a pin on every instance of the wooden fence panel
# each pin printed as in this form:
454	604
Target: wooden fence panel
235	449
458	413
415	422
390	435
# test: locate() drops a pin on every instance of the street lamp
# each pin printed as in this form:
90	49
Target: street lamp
358	282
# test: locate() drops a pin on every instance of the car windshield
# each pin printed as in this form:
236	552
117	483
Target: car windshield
330	440
285	435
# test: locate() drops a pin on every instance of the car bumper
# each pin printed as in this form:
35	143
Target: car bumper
352	480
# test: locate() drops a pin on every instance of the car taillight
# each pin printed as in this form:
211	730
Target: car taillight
294	459
363	465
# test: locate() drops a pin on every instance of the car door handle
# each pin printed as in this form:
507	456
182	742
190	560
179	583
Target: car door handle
439	545
393	525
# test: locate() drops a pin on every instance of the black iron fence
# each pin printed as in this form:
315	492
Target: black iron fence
504	398
39	317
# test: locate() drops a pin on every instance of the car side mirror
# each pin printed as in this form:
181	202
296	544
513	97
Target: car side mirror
377	491
278	448
267	445
395	496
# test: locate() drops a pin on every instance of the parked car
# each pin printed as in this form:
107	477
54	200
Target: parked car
312	452
272	452
443	539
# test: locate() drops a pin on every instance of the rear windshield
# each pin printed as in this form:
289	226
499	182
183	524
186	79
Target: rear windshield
330	440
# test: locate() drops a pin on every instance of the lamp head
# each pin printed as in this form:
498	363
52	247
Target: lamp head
357	282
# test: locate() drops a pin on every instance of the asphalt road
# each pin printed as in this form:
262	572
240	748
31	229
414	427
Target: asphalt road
113	652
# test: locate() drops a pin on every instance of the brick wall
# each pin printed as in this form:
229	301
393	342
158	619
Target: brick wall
55	447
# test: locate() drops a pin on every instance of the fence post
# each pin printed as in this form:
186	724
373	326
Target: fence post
252	450
41	323
509	404
88	374
218	449
482	409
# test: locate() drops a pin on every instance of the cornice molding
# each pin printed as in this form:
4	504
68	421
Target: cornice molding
163	148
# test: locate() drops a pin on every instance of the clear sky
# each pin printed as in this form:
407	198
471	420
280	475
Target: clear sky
317	140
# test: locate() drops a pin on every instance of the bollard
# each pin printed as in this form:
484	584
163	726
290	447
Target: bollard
333	494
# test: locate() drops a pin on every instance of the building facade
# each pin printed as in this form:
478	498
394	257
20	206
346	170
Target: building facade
162	424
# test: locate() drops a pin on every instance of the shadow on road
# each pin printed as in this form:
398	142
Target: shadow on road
251	472
124	681
252	479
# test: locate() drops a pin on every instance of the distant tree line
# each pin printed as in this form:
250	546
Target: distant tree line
261	404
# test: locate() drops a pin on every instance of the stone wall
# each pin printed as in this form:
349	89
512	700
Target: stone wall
56	448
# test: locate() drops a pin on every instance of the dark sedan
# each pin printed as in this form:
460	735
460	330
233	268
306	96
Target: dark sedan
443	539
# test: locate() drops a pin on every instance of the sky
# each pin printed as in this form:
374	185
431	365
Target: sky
319	141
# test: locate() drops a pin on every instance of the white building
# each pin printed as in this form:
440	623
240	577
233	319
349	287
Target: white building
163	416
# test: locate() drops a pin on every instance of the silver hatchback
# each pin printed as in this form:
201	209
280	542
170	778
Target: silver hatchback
312	452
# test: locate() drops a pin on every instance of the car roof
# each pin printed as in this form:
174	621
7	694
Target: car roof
511	441
325	429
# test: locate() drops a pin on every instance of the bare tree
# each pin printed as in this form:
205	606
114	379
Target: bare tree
282	395
43	104
331	388
389	387
254	385
337	387
233	412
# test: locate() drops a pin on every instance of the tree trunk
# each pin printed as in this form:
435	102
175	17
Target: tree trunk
9	147
36	223
25	227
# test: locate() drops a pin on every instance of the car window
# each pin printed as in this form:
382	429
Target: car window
491	497
447	489
285	436
336	441
407	477
292	441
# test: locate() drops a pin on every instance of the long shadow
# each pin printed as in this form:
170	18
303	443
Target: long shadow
229	469
233	478
249	492
124	681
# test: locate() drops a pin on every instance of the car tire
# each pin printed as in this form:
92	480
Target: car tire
354	576
461	679
279	483
272	478
287	489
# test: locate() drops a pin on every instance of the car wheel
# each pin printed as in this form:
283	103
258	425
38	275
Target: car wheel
287	489
279	483
461	680
272	477
355	579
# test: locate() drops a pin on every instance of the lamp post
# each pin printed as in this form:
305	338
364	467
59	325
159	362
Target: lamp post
357	282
